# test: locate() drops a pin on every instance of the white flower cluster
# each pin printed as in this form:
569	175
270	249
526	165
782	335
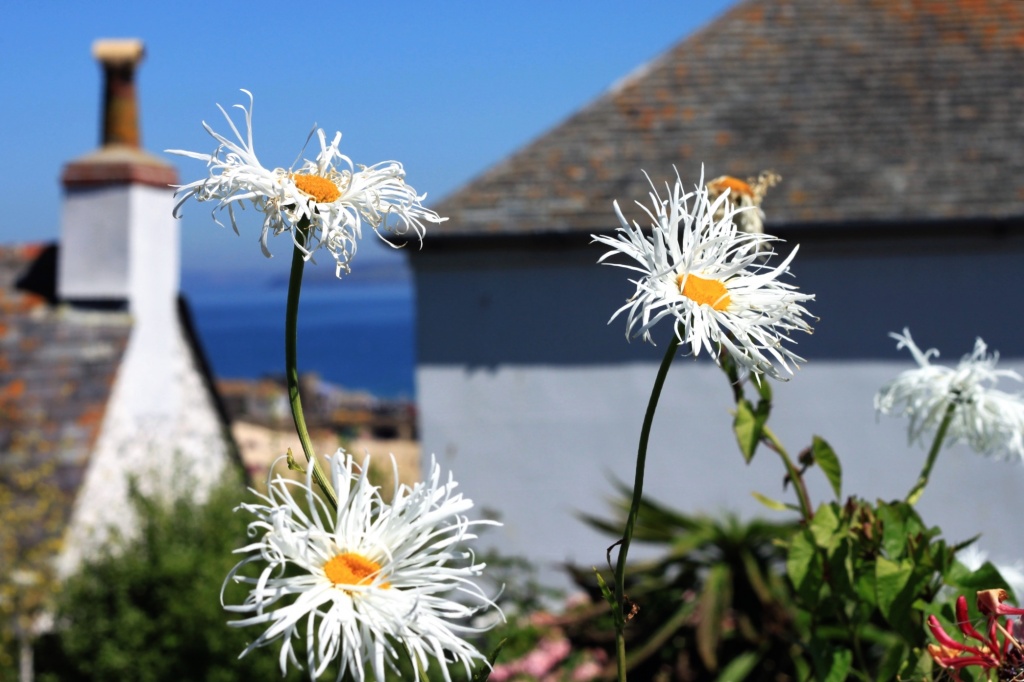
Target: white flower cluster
700	270
990	421
367	583
330	194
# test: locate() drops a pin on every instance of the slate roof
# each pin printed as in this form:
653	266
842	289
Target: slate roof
873	111
57	367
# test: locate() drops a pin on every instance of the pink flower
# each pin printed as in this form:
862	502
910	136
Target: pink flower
545	657
1006	656
539	662
990	602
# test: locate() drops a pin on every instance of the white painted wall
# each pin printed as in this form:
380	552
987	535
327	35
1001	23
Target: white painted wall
119	242
95	249
173	444
537	445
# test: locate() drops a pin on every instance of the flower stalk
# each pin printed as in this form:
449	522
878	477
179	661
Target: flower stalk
795	476
634	507
933	454
291	337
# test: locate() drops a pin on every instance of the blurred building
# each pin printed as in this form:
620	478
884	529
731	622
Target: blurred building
101	376
897	128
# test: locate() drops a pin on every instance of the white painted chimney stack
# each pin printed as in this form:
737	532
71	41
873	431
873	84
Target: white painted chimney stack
119	243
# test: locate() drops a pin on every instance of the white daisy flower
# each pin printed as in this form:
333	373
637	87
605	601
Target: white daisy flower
990	421
700	270
364	584
333	195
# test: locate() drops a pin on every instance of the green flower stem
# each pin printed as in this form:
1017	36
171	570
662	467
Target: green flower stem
915	493
634	507
291	319
794	474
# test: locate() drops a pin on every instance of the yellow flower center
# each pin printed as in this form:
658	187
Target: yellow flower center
320	188
704	291
349	568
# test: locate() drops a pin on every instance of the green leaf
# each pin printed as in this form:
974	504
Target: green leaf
741	666
824	526
764	389
839	665
748	425
744	424
756	578
919	666
892	660
770	503
805	566
986	577
802	667
606	592
894	529
715	601
827	459
485	671
841	568
864	585
891	581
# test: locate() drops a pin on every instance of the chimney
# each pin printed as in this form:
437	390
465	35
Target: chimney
119	242
120	111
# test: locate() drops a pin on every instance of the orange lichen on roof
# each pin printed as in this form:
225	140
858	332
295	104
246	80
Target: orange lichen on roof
940	8
985	22
751	13
31	251
644	118
91	416
19	304
12	389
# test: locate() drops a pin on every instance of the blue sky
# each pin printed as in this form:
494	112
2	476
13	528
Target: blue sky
447	88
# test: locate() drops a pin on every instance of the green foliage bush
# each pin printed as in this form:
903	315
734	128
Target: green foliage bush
148	609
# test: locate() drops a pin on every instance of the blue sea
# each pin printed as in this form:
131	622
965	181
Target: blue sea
358	337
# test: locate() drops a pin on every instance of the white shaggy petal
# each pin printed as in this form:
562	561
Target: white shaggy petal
692	235
988	420
406	608
376	195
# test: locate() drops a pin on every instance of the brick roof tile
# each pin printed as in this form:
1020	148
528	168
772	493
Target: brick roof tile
871	110
57	368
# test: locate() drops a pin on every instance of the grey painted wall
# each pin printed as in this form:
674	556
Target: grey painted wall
550	305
